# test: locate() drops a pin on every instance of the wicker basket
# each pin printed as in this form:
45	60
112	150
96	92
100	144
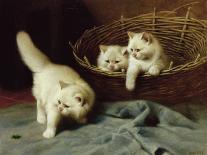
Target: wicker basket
184	40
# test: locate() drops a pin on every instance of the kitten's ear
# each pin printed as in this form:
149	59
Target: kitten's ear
147	37
124	51
63	84
131	34
103	48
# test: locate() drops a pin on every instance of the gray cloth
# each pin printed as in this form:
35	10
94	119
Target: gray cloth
123	128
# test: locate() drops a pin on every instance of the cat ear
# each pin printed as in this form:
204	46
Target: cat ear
147	37
124	51
103	48
63	84
131	34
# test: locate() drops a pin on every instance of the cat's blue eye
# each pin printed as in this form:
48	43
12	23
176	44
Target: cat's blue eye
107	61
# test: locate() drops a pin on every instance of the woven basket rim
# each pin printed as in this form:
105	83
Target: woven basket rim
199	60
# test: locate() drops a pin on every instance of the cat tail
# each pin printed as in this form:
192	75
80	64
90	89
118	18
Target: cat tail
30	54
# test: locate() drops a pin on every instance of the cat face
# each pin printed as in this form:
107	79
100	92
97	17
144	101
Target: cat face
113	58
138	42
72	101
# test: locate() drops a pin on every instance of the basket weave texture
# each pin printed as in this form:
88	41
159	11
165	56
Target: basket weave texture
184	40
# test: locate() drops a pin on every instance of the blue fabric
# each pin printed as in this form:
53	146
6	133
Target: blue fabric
122	128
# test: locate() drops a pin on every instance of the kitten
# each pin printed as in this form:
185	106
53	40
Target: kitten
58	89
146	55
113	58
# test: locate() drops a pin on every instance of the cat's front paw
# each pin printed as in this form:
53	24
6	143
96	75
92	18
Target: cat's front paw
154	71
123	70
130	85
41	119
49	133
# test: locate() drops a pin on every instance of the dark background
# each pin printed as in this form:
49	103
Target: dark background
53	23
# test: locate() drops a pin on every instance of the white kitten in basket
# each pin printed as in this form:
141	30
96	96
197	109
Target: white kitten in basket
58	89
113	58
146	55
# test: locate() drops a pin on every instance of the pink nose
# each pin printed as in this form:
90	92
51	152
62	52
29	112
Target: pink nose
60	108
134	54
111	66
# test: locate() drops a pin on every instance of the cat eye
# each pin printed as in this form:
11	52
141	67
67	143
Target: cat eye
137	50
117	61
78	99
107	61
132	49
66	106
59	102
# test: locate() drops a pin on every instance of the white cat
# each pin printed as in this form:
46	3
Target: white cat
146	55
58	89
113	58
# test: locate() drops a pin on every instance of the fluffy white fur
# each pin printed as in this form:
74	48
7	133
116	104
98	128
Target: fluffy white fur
58	89
113	58
146	55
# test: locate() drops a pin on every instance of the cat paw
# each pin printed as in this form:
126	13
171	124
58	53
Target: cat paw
130	86
49	133
123	70
154	71
41	119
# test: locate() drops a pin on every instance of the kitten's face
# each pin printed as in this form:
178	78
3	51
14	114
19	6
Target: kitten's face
72	102
138	42
113	58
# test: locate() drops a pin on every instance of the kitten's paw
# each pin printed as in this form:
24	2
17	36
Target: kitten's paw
49	133
154	71
130	85
41	119
123	70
